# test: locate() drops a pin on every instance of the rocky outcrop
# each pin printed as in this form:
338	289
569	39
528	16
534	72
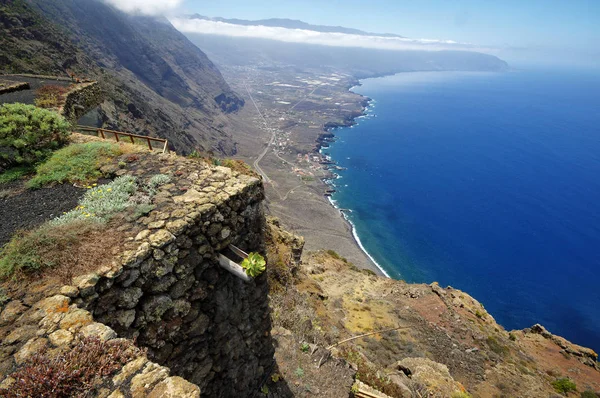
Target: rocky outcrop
166	290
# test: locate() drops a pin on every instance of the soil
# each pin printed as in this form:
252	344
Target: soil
25	209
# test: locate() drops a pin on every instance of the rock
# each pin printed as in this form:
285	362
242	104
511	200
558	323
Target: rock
116	394
18	335
143	235
192	196
155	307
143	383
30	348
434	376
76	319
124	318
198	326
7	383
54	304
99	330
12	311
177	227
175	387
69	291
61	338
129	370
128	298
86	284
161	238
156	224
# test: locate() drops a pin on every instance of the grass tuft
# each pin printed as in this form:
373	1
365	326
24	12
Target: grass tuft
46	247
75	163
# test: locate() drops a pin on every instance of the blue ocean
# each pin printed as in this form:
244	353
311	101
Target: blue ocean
488	182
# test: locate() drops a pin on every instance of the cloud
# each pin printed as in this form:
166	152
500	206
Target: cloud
312	37
147	7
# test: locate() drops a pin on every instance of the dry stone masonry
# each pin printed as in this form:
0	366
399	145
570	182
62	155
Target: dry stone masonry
167	292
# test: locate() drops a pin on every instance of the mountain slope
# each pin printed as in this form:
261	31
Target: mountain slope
157	81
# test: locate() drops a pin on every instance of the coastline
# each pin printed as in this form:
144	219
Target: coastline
326	139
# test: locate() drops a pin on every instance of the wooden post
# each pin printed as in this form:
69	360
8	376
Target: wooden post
102	132
165	147
149	143
132	141
116	136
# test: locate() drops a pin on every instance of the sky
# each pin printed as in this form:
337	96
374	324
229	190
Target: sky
566	31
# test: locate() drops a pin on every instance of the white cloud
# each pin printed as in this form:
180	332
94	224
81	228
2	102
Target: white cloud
147	7
312	37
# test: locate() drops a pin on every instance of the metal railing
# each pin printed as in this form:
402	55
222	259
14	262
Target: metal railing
134	138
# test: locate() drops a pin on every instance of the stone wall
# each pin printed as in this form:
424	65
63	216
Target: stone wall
81	100
166	290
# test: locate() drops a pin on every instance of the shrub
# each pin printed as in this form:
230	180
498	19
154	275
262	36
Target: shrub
254	264
589	394
564	385
100	203
71	373
29	134
158	180
496	347
14	173
75	163
50	96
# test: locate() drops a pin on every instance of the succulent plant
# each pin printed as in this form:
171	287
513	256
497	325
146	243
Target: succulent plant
254	265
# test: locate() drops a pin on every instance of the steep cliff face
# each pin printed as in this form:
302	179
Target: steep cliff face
436	341
157	81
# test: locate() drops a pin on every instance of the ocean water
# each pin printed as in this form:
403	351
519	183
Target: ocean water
488	182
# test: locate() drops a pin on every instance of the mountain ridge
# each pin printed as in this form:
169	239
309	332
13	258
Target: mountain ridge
292	24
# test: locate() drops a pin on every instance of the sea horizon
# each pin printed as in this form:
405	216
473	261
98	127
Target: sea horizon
408	103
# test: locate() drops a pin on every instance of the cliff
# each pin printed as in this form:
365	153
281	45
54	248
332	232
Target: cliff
157	82
142	307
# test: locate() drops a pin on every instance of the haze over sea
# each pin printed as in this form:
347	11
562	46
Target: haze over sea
488	182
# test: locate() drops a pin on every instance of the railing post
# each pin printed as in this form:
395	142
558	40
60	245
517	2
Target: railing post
116	136
149	143
132	140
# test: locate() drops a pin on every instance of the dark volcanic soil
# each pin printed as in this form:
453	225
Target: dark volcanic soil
24	209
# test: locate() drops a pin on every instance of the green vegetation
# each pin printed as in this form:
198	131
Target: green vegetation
75	163
564	385
589	394
334	254
304	347
101	203
299	372
71	373
254	264
496	346
14	173
461	394
29	135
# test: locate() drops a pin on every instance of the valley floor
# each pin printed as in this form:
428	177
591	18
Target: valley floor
288	110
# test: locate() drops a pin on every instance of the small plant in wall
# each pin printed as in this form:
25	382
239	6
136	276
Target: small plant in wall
254	265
